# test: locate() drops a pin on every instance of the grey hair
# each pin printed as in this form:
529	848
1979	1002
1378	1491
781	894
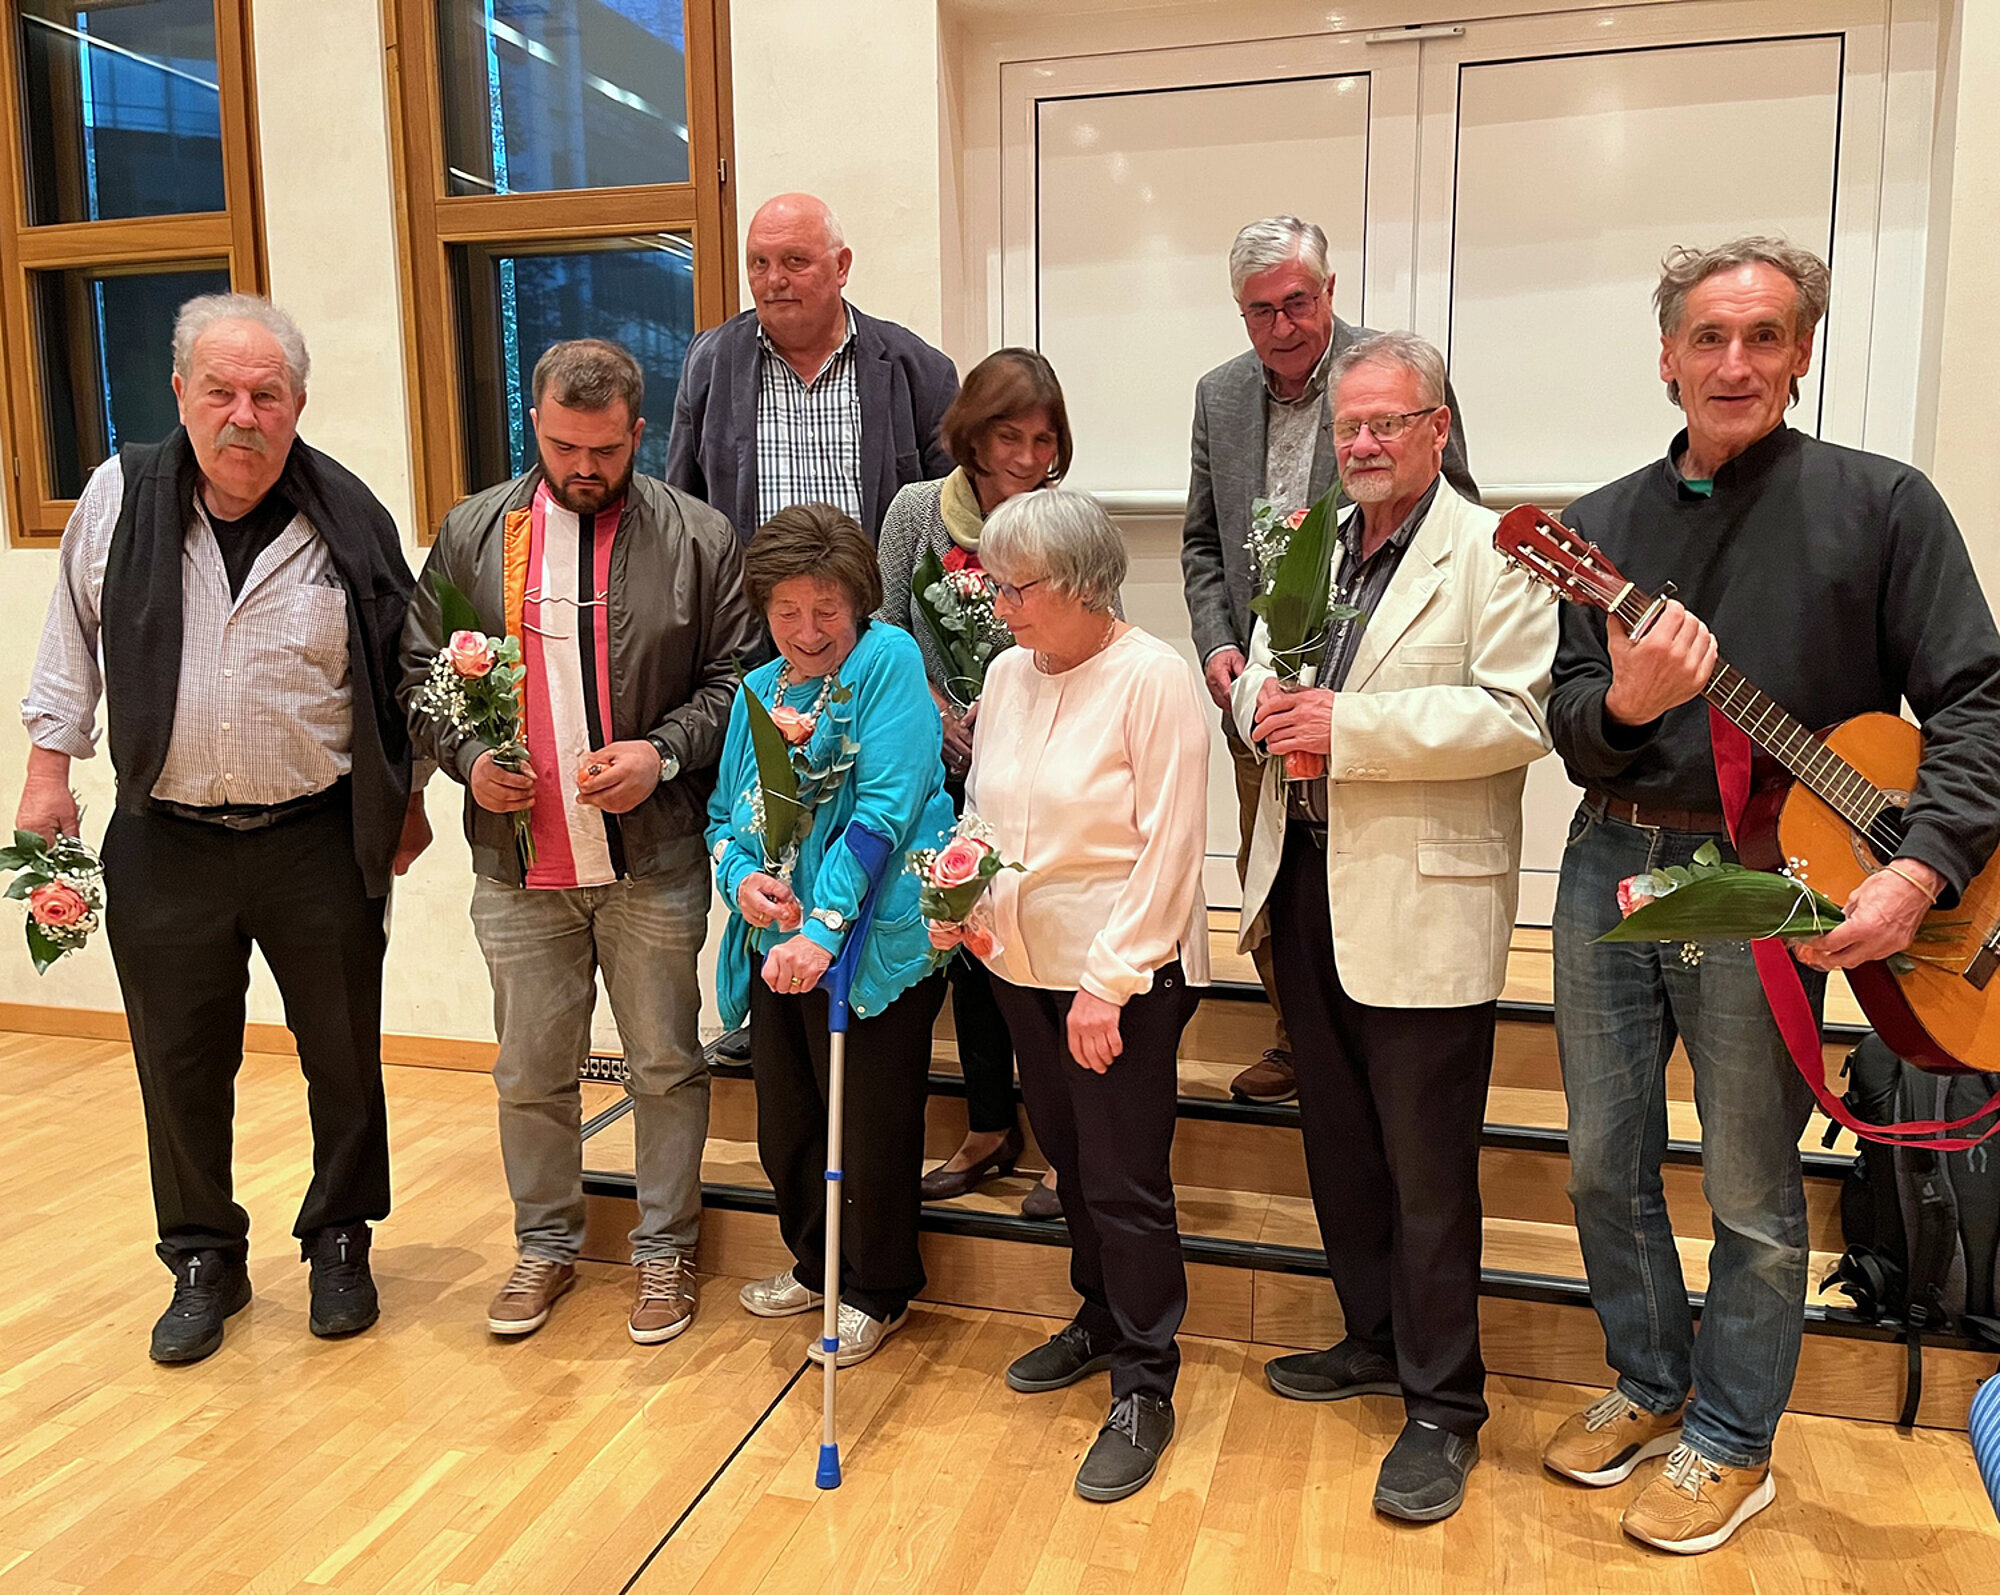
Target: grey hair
1277	241
1066	537
1683	268
590	374
199	315
1418	356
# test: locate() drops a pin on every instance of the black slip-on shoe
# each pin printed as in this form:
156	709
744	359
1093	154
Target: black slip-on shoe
1333	1375
1423	1476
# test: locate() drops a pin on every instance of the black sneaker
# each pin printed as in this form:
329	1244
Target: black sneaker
343	1291
208	1287
1069	1355
735	1046
1334	1374
1127	1449
1423	1476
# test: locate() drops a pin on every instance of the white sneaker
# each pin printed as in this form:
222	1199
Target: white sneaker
780	1296
860	1336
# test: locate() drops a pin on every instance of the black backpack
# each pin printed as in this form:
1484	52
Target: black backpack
1922	1227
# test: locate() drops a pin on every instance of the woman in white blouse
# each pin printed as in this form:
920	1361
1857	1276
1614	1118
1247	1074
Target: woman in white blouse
1091	766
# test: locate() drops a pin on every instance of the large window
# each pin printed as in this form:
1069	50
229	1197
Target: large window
565	176
127	126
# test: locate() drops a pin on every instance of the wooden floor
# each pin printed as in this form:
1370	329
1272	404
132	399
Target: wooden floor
424	1456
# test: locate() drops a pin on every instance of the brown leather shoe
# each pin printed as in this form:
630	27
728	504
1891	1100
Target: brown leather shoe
1694	1504
942	1184
1269	1079
531	1290
664	1302
1603	1443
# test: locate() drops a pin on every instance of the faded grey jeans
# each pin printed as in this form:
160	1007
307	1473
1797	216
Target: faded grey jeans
543	949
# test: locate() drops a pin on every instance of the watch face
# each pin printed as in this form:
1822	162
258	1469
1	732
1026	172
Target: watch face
831	918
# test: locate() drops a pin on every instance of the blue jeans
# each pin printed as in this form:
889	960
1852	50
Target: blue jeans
1619	1008
544	950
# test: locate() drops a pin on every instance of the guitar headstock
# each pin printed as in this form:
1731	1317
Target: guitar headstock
1556	557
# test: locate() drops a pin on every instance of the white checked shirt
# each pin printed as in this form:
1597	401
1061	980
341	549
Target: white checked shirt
808	433
264	713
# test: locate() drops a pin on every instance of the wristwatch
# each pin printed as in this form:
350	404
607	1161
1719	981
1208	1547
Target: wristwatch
832	918
669	765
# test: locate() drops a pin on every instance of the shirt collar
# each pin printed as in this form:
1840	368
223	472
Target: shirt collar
1747	466
1350	529
846	343
1315	387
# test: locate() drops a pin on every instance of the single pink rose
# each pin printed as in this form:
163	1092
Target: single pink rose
1634	893
470	652
1296	519
958	863
57	904
793	726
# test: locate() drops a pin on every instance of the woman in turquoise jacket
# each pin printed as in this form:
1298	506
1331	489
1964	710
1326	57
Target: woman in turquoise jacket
851	698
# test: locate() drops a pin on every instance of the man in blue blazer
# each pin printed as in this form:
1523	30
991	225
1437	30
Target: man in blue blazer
805	399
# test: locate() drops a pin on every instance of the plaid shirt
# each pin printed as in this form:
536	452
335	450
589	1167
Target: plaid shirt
808	433
264	713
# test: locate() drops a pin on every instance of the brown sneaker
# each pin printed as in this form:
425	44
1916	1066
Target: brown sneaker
1269	1079
1694	1504
664	1303
1608	1439
531	1290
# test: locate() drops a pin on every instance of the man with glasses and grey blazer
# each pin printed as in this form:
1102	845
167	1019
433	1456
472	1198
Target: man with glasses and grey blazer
1260	431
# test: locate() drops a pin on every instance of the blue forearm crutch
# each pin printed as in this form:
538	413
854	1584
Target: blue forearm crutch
873	851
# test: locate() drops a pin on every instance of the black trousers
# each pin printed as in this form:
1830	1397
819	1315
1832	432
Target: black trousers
1393	1104
1110	1139
888	1069
184	902
985	1050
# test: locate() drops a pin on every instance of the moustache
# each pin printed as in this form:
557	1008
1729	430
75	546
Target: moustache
234	436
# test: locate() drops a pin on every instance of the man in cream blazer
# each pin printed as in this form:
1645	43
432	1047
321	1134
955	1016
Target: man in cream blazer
1390	886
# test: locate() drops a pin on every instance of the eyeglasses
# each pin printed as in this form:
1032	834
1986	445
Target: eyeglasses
1011	592
1384	428
1296	309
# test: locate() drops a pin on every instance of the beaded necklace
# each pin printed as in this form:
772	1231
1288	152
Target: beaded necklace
784	681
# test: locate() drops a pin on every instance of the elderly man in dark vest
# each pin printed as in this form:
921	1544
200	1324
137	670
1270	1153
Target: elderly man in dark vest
248	594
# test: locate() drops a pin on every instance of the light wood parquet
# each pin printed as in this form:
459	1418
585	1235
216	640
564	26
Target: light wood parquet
424	1456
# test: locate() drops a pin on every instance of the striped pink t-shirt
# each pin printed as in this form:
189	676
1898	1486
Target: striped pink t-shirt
566	647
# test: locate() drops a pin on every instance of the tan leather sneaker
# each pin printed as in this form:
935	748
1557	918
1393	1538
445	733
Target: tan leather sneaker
531	1290
664	1303
1694	1504
1608	1439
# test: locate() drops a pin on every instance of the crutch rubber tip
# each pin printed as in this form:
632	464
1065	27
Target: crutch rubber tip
829	1343
828	1477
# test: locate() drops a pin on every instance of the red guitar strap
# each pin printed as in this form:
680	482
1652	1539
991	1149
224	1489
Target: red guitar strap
1786	993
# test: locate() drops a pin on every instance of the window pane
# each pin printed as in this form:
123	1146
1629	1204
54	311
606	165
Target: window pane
551	94
512	305
123	114
106	347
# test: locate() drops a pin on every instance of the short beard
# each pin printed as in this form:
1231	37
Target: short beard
613	491
1372	489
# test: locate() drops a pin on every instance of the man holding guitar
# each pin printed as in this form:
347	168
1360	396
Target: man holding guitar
1837	581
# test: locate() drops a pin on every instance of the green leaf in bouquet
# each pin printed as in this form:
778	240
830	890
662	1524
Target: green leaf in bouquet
12	858
455	611
30	845
1295	608
41	948
27	881
775	775
1730	905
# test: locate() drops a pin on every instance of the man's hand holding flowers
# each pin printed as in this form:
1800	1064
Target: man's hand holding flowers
1294	719
500	790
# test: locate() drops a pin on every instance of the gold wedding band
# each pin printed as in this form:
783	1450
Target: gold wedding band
795	982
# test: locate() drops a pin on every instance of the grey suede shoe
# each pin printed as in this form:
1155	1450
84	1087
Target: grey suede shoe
1127	1449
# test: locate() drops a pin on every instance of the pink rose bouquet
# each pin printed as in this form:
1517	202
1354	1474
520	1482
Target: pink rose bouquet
955	878
62	883
474	686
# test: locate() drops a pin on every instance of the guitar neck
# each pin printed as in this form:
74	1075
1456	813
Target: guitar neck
1844	789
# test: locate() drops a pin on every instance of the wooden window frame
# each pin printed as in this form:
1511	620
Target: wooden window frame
35	514
431	221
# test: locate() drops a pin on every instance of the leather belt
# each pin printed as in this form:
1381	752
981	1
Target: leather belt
1655	817
252	817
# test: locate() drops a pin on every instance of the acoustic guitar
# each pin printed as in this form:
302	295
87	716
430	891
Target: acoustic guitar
1833	799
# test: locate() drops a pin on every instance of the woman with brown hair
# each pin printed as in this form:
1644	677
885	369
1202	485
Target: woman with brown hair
1008	429
848	694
